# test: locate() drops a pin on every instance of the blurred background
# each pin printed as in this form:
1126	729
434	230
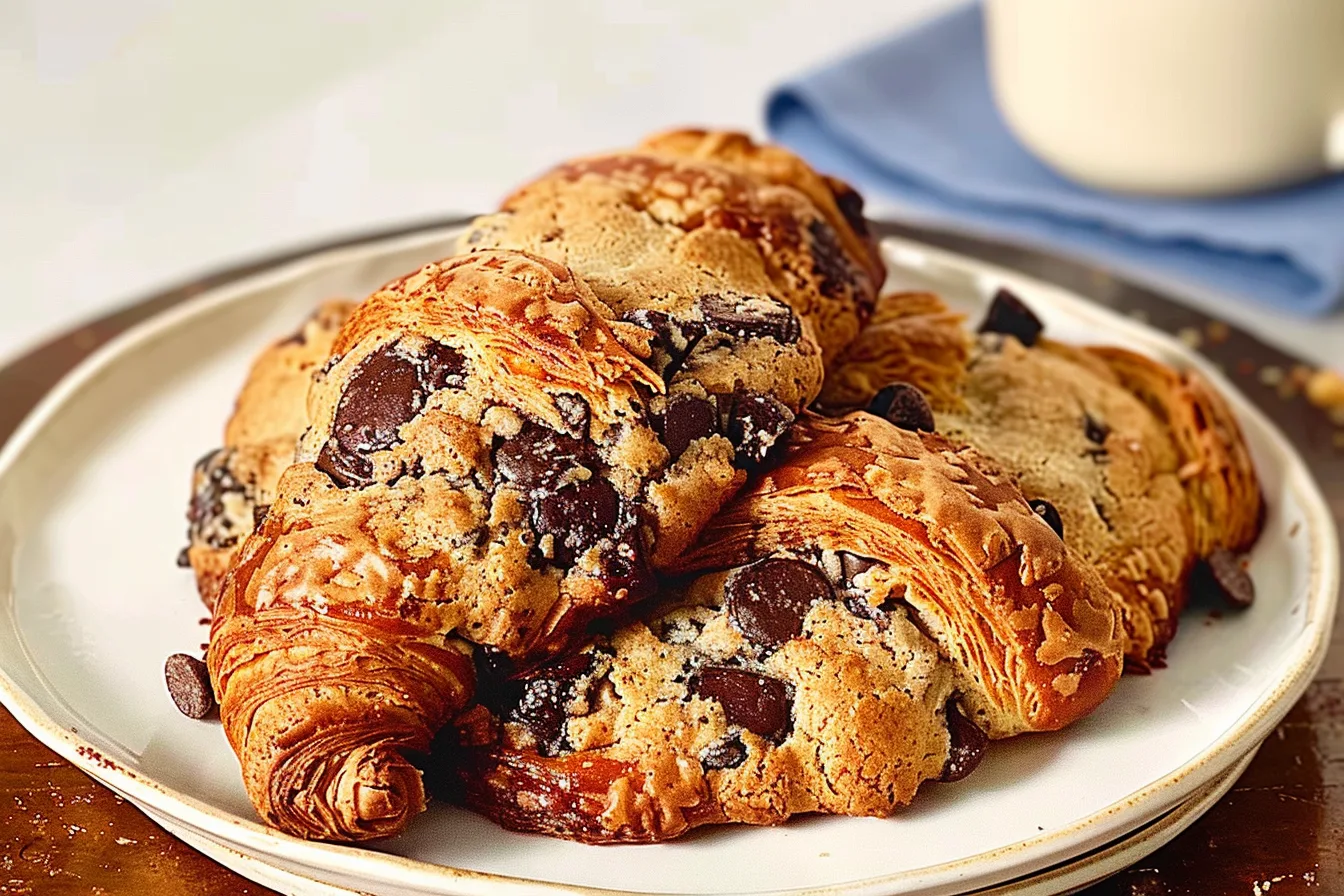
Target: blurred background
147	140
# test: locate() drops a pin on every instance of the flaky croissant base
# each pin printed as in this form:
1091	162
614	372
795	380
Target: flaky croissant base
323	710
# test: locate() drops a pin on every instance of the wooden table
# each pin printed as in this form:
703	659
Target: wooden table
1280	830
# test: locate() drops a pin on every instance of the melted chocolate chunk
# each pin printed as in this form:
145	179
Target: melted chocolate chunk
346	470
829	263
259	515
760	704
688	418
577	516
189	685
625	565
904	406
673	339
850	204
546	697
755	423
751	318
1221	575
1095	430
968	745
387	389
538	457
768	600
726	752
442	367
1048	512
1007	314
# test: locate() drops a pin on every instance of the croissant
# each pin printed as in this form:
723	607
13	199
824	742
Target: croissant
233	484
863	619
1143	466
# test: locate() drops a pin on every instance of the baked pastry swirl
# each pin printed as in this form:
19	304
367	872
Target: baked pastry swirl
863	618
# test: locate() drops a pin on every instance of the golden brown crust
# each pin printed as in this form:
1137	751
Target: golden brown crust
1027	620
1215	464
912	338
837	200
527	325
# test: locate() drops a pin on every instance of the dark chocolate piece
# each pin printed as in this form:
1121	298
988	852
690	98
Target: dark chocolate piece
188	682
768	600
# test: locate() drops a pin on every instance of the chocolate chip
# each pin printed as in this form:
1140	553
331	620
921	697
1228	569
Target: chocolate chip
538	457
829	262
387	389
1048	512
688	418
546	697
259	515
759	703
850	204
751	318
1007	314
577	516
574	412
346	470
852	566
904	406
625	565
755	423
384	392
442	367
726	752
768	600
673	339
1222	575
967	746
1095	430
188	682
184	557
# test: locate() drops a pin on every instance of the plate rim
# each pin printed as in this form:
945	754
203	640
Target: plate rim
1308	649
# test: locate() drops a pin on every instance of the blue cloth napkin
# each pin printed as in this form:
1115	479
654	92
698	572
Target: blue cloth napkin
913	119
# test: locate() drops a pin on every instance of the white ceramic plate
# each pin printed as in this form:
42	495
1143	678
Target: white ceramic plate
1067	877
92	490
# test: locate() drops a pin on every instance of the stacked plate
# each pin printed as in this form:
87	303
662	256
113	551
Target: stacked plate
92	490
